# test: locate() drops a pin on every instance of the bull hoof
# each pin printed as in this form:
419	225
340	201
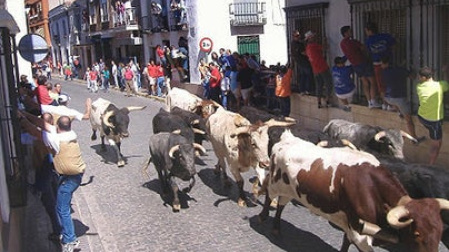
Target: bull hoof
176	208
121	163
93	137
274	203
241	202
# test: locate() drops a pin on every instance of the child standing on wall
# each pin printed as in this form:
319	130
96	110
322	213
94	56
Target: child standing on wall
283	89
343	82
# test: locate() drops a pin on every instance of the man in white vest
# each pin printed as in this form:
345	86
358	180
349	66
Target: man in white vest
63	144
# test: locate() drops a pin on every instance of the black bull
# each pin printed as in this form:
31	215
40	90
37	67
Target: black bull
174	158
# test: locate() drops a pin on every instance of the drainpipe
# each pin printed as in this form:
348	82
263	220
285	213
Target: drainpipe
194	40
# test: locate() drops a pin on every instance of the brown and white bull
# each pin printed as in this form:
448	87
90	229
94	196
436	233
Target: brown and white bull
351	190
112	123
243	145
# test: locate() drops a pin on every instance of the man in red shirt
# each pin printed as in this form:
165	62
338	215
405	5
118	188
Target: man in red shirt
214	83
320	68
354	51
152	77
41	92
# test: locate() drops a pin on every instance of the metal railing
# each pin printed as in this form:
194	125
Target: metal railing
247	14
128	17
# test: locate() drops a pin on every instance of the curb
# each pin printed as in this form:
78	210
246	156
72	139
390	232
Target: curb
112	88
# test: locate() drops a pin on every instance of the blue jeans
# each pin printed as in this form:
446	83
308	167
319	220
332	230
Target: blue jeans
224	99
67	185
160	84
284	103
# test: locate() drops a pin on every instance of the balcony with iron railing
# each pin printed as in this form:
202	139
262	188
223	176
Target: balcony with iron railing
247	14
126	18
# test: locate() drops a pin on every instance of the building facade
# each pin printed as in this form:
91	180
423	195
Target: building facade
420	29
131	30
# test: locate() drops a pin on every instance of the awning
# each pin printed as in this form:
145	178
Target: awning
7	21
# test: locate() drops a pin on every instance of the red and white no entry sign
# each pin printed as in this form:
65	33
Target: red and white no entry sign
206	44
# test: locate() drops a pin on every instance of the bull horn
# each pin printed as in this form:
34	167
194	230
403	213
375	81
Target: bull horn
379	135
323	143
106	117
177	132
444	204
199	147
395	214
196	121
289	119
240	130
348	143
216	104
133	108
272	122
173	150
407	135
377	232
198	131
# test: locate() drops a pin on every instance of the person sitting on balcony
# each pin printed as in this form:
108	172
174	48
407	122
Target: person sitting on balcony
161	16
177	7
129	15
120	9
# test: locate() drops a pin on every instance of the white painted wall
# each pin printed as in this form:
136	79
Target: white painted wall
211	19
17	10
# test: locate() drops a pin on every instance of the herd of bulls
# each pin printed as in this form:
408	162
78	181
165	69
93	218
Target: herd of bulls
351	174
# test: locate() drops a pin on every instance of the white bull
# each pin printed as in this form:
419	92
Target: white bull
243	145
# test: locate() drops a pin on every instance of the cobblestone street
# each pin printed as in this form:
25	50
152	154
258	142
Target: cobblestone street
121	209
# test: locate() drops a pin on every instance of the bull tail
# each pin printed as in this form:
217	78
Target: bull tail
145	167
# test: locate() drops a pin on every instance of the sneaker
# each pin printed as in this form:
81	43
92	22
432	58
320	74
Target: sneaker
347	108
374	104
419	140
384	106
69	247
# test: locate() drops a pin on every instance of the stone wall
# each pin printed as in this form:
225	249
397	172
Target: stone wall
304	108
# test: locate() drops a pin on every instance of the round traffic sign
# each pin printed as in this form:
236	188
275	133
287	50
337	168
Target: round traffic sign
33	48
206	44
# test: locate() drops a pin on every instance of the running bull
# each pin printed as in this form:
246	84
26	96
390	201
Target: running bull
112	123
174	159
353	191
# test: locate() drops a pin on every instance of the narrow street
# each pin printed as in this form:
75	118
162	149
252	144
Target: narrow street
120	209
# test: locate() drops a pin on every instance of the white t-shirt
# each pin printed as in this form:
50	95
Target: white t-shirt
62	110
52	139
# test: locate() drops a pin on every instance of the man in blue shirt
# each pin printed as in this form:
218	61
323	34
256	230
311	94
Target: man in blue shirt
395	79
379	45
343	83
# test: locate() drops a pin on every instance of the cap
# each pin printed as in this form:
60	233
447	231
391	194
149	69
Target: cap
308	35
63	98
